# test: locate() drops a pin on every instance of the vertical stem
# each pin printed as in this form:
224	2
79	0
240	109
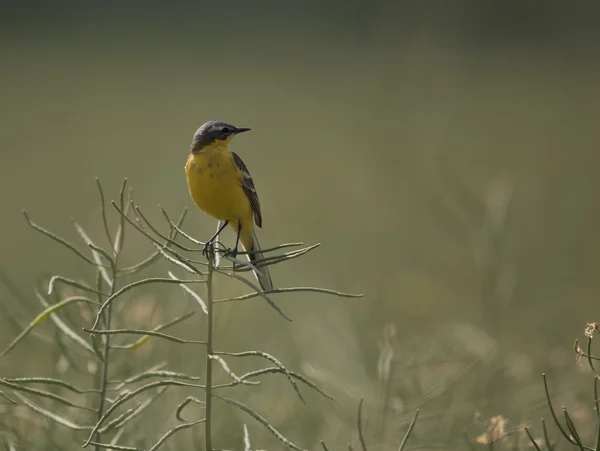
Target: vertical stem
106	351
209	351
119	240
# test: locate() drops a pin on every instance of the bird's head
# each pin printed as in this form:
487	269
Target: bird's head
214	132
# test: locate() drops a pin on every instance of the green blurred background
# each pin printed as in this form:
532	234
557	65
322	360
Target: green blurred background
444	154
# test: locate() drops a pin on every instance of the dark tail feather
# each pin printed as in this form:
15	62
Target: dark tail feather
263	276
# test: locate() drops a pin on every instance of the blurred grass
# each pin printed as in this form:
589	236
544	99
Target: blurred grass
378	140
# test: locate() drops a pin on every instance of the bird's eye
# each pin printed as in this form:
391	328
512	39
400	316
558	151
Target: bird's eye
225	130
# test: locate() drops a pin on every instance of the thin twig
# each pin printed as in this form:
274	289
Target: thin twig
361	437
209	352
554	417
182	406
546	437
132	285
154	240
58	239
115	447
44	394
160	234
247	444
118	423
72	283
261	420
572	429
177	227
158	328
103	212
272	370
150	373
409	431
289	290
532	440
51	415
49	381
269	357
145	332
597	406
172	431
258	291
154	256
129	395
107	316
230	373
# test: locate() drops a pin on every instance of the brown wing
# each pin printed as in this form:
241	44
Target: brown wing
249	189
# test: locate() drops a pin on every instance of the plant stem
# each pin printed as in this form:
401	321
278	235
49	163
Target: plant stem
107	319
209	351
104	382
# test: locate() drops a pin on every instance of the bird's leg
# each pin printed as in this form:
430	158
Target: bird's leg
213	238
234	251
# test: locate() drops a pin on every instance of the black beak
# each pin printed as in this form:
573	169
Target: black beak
241	130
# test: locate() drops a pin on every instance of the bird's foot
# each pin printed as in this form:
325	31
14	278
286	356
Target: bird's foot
232	252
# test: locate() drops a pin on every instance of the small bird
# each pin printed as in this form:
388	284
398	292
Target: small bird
221	186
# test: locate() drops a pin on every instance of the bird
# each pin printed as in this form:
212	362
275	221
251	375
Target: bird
221	186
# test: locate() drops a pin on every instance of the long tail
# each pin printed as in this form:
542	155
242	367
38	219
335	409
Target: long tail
263	276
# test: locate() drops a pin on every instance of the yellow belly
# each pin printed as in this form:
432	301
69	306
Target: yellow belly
215	186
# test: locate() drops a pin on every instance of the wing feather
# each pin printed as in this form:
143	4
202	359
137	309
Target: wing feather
249	188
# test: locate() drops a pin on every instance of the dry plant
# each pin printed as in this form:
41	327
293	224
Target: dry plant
34	411
496	433
104	416
569	431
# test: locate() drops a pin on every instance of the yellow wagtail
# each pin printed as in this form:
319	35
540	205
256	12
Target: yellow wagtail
221	186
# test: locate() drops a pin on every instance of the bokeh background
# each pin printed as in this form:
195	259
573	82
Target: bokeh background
444	154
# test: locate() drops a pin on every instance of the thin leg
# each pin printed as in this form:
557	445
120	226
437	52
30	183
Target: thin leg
214	237
234	251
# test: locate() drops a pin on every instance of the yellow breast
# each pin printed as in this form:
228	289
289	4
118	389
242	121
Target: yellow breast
214	182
